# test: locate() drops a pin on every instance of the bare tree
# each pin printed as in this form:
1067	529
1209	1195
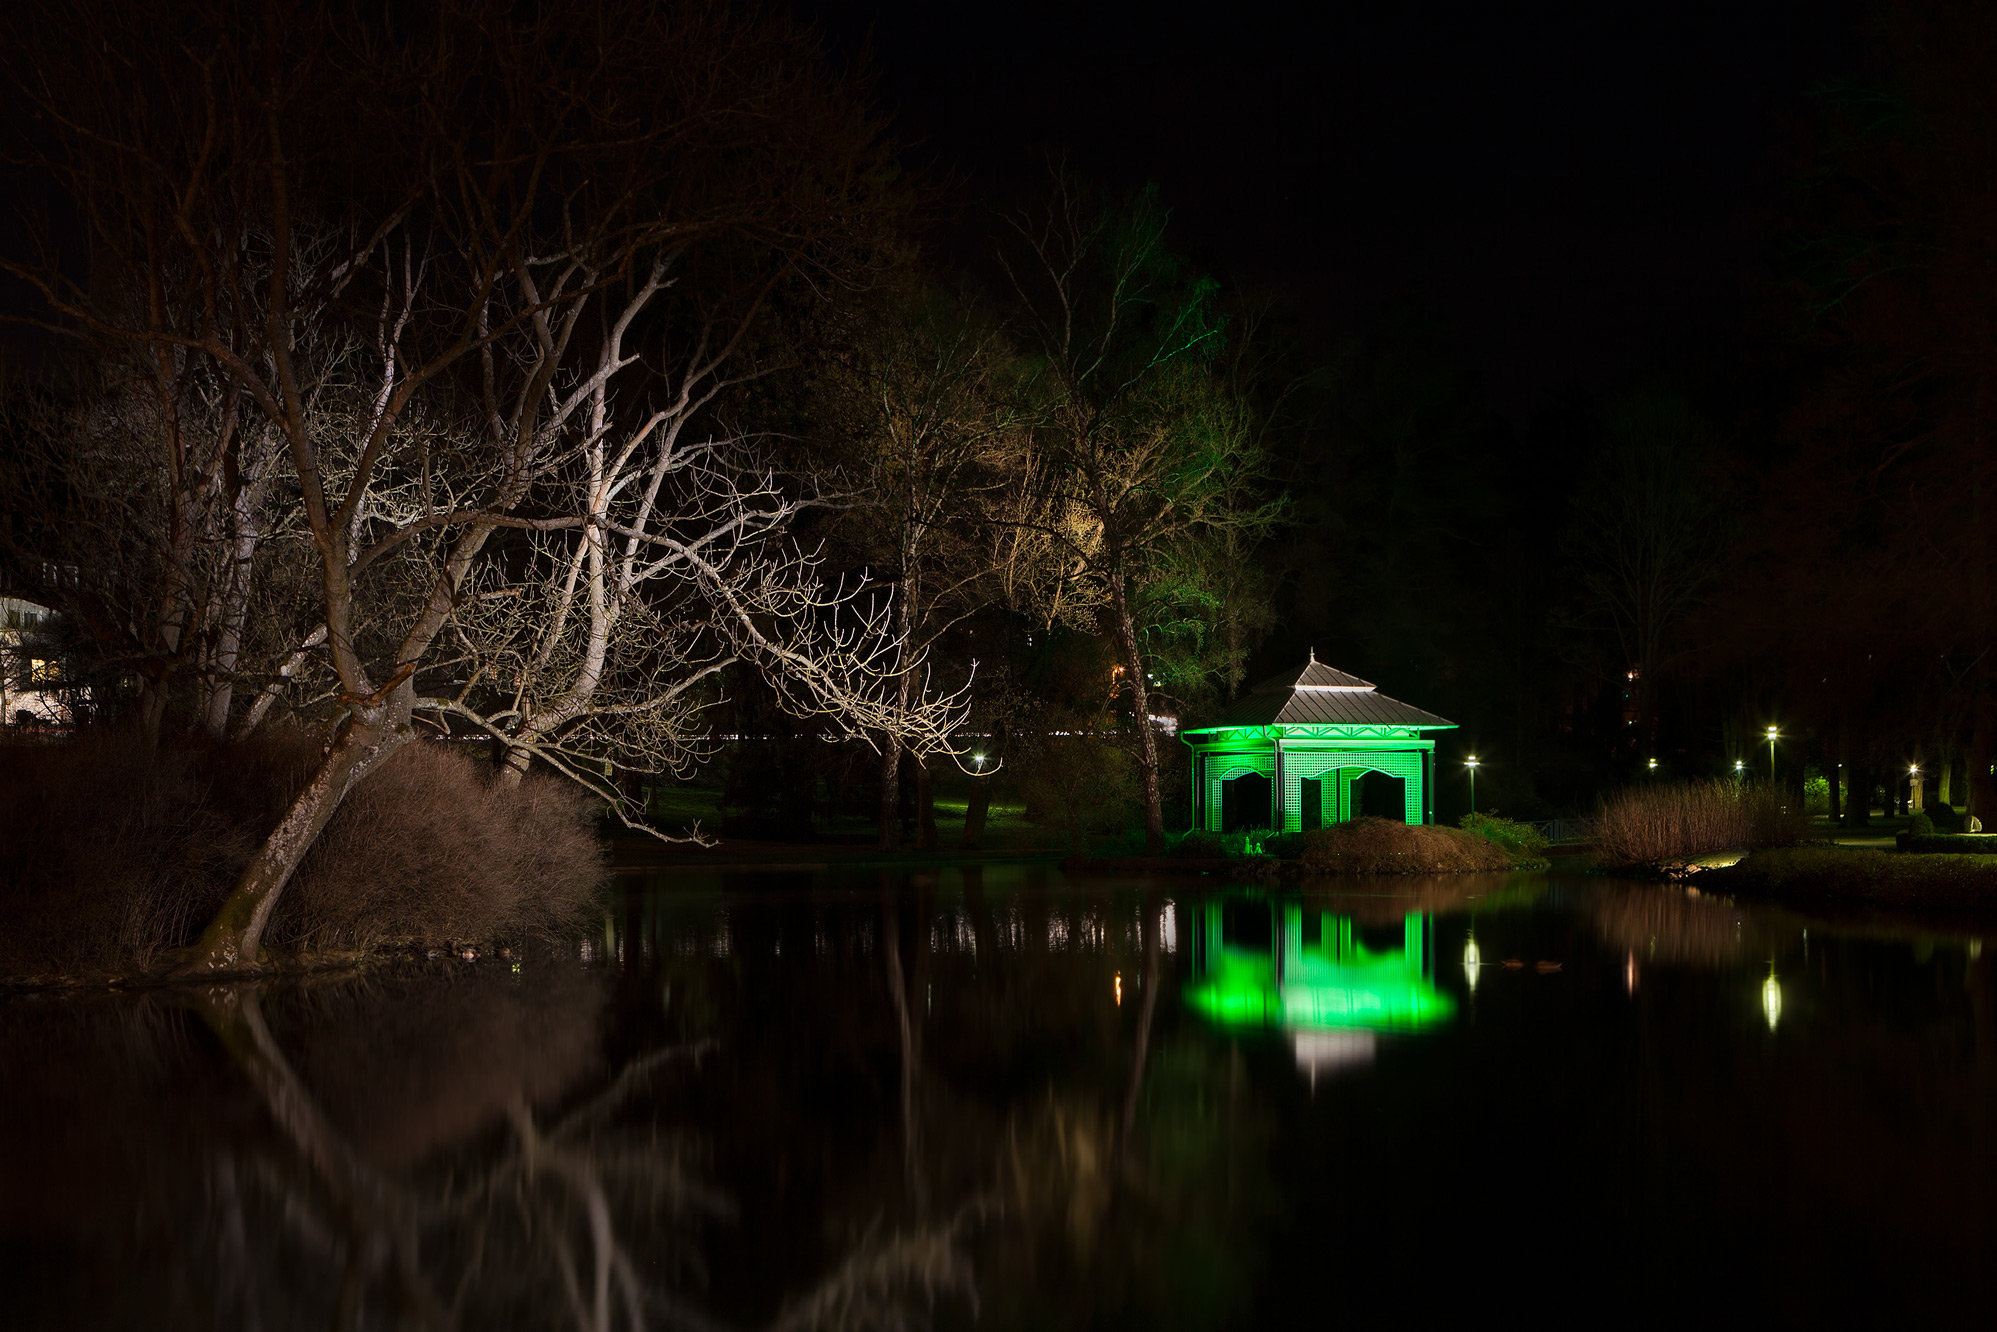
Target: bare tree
419	255
142	494
933	427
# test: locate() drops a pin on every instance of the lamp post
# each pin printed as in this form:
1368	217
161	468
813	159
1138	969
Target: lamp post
1740	770
1772	734
1471	764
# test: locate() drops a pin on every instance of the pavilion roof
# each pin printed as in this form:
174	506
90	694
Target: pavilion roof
1315	694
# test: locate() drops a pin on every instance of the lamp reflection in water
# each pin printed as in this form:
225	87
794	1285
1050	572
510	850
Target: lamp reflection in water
1472	960
1771	999
1263	962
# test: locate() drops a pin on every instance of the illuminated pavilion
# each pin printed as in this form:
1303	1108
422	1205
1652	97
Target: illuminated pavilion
1311	747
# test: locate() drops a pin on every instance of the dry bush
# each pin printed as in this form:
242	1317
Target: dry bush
430	849
112	855
1386	846
1648	825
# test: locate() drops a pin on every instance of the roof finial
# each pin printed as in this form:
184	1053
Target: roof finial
1313	655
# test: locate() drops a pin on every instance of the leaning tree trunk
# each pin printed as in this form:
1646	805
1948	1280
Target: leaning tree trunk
1140	716
233	940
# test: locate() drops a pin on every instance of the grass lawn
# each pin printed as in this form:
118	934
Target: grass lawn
678	808
1865	876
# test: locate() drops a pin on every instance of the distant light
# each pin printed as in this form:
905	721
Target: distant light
978	759
1653	765
1913	770
1738	765
1470	762
1771	1000
1119	989
1772	733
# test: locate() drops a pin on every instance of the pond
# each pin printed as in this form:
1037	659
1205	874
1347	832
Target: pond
1001	1097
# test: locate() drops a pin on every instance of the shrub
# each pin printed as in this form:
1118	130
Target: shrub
1921	825
1948	844
1648	825
1386	846
1521	841
1196	845
1083	783
1284	846
114	854
431	849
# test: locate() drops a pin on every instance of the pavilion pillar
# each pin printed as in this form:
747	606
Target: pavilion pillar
1276	802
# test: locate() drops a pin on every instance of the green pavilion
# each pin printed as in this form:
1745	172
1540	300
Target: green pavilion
1311	747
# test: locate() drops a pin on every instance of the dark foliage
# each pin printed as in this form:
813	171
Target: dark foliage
112	856
1383	846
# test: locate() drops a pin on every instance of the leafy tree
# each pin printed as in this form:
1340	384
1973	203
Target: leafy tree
1145	471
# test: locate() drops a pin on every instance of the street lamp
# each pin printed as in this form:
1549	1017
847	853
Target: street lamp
1772	734
978	760
1653	765
1739	769
1471	764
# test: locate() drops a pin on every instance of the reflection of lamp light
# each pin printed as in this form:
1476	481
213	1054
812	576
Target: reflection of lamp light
1771	1000
1472	960
1119	989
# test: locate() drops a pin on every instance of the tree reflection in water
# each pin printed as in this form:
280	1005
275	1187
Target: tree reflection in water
997	1099
542	1227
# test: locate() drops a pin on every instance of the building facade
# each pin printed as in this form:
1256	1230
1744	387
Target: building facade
29	674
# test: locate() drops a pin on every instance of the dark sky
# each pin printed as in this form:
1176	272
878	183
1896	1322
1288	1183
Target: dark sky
1577	189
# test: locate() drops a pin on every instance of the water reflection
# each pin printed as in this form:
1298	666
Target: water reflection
996	1098
1274	962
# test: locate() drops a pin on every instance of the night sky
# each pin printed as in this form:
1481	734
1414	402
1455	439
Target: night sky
1576	191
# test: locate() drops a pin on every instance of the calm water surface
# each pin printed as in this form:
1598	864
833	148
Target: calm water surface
1005	1098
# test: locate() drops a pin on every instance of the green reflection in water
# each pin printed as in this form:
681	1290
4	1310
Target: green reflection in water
1331	983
